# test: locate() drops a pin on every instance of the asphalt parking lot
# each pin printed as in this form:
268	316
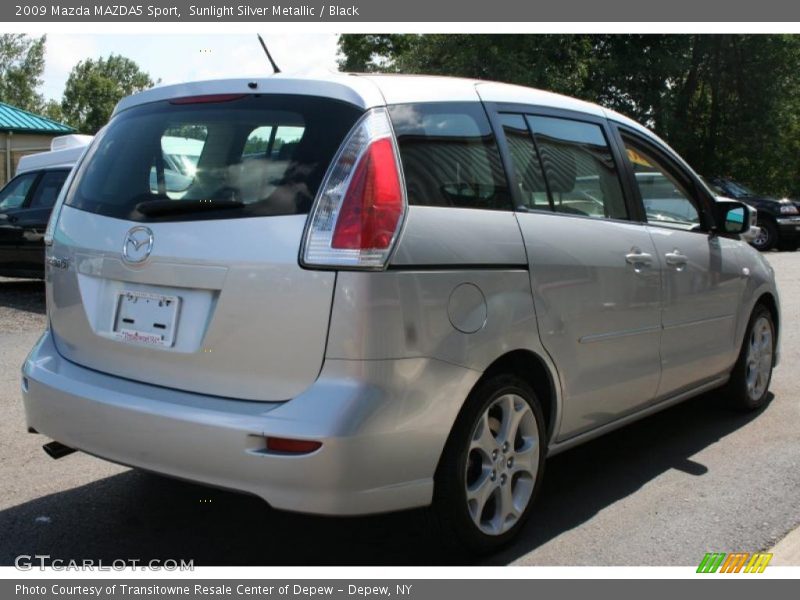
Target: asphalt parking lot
663	491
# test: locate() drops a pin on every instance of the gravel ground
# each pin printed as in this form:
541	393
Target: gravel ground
663	491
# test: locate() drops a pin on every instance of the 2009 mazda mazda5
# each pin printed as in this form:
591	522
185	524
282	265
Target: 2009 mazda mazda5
353	294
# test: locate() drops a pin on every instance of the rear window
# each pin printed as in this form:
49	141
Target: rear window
248	156
450	156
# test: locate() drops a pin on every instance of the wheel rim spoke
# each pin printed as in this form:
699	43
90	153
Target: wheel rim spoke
482	438
479	494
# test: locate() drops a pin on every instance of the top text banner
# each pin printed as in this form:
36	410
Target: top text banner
403	11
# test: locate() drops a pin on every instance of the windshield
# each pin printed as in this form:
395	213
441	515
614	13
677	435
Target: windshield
737	189
260	155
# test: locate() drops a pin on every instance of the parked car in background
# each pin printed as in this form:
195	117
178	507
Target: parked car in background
26	202
778	219
429	287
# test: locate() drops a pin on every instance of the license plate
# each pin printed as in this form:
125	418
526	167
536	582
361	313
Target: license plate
145	318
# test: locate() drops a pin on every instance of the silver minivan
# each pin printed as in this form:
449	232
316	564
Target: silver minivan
352	294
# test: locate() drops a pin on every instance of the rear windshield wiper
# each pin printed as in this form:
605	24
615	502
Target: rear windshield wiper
170	207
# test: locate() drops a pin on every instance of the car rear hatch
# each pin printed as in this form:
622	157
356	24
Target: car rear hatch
175	256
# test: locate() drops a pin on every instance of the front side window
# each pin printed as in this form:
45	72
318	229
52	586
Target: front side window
579	168
450	156
16	191
666	201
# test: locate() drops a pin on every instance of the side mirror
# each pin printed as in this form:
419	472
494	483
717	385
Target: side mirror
734	217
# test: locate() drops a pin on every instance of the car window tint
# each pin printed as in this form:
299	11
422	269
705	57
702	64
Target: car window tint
450	156
16	190
47	190
527	168
212	152
666	201
579	168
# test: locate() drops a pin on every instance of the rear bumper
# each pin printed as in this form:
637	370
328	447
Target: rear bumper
382	425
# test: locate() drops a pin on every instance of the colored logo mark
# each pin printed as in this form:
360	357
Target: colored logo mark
734	562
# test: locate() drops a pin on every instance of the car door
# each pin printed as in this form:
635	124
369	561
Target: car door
13	198
702	281
594	271
31	220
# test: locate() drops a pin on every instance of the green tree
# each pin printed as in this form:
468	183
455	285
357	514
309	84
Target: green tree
21	68
94	87
730	104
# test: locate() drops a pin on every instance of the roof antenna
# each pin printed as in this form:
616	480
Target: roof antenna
275	68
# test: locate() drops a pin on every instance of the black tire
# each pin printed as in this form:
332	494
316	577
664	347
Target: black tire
789	245
450	509
770	236
736	391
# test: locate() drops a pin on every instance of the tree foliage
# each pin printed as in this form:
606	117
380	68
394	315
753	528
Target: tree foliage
21	68
95	86
730	104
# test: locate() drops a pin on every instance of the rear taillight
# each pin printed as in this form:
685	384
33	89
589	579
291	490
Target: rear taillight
359	211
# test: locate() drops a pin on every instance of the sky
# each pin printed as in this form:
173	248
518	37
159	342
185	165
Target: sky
175	58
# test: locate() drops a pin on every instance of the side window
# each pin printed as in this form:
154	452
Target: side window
450	156
47	190
528	170
175	168
258	142
16	190
579	168
666	201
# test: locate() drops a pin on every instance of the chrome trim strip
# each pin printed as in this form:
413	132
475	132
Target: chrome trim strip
612	335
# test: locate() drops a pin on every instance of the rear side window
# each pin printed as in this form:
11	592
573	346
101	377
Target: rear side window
579	168
47	191
450	156
244	156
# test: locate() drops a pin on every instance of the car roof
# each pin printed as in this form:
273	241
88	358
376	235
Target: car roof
368	90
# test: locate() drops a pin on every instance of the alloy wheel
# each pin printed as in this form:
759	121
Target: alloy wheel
502	464
758	367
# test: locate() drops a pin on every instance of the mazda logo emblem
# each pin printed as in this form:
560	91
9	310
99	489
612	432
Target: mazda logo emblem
138	244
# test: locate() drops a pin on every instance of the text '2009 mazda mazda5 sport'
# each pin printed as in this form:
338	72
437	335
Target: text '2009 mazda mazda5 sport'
354	294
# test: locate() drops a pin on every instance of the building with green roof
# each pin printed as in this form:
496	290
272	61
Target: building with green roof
23	132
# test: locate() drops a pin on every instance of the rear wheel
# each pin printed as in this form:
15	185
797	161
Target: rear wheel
492	465
767	237
749	383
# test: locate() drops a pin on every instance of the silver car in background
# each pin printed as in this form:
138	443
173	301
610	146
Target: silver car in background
356	294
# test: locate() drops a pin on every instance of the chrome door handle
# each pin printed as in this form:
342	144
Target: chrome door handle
676	259
638	258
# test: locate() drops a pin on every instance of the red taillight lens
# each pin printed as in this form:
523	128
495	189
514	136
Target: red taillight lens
289	446
357	216
373	204
207	99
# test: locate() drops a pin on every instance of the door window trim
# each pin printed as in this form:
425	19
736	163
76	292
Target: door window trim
667	161
496	109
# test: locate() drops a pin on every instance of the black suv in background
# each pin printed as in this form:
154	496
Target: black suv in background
779	219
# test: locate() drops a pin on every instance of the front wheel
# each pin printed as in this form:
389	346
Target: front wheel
767	237
492	465
749	383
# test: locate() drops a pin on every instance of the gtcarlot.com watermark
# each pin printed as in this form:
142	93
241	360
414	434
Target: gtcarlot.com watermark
28	562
